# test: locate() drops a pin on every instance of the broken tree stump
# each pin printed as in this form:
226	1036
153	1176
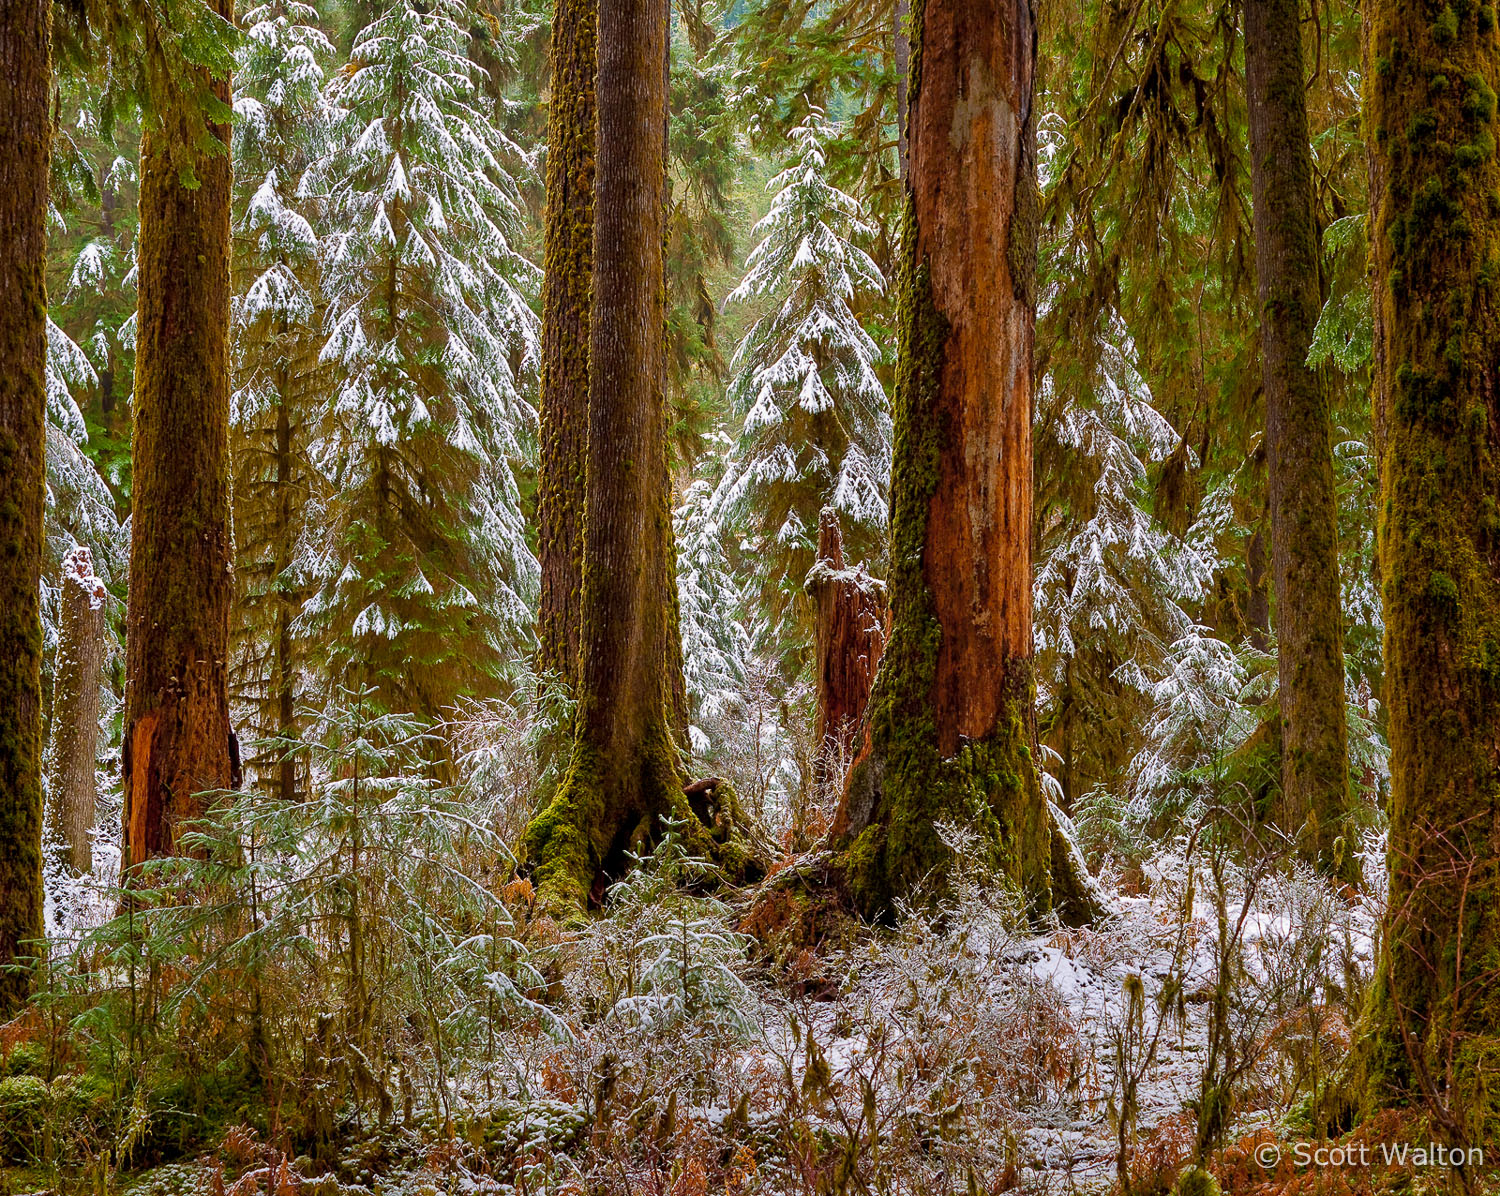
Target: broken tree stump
853	621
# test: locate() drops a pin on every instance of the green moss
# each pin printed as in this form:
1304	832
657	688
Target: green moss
1195	1181
1433	1001
991	785
557	841
23	1110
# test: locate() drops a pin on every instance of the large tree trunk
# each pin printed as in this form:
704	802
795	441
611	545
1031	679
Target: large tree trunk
852	622
75	710
952	721
177	736
569	254
1299	444
25	147
1433	1020
623	773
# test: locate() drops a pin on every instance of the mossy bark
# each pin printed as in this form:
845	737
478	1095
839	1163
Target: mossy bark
1432	1029
1299	444
177	736
952	715
25	149
72	791
568	256
623	772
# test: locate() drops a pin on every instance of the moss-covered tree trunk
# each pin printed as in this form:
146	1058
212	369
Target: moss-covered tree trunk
1299	443
25	148
623	772
568	256
952	716
1433	1022
177	736
72	789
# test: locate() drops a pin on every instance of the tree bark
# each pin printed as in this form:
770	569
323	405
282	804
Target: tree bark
568	255
623	773
1433	1019
852	622
284	666
177	735
952	718
1299	444
25	149
72	791
902	54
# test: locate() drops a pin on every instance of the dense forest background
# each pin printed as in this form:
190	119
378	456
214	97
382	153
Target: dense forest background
539	855
1152	570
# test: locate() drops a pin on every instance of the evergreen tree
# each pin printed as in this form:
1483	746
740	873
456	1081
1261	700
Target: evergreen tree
1299	444
1113	587
705	155
25	140
283	122
952	715
422	580
96	229
716	646
1432	1020
178	743
796	58
569	250
623	776
816	424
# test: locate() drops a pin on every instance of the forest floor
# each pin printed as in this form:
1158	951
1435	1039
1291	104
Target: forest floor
953	1053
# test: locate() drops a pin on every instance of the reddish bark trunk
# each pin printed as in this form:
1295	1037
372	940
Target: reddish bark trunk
177	737
952	723
853	619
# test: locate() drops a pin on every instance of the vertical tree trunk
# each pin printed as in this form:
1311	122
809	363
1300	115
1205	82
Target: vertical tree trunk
852	617
569	253
284	671
177	736
952	722
1433	1020
1258	599
902	54
1299	443
623	772
25	147
75	710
